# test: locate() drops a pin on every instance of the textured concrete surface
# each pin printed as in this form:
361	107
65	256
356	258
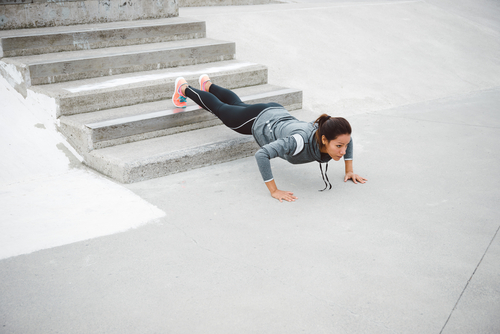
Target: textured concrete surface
203	3
25	42
414	250
357	56
117	126
140	87
49	13
76	65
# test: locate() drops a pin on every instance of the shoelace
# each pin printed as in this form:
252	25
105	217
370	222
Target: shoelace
182	98
324	175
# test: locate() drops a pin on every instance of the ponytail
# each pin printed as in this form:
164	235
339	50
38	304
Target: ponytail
331	128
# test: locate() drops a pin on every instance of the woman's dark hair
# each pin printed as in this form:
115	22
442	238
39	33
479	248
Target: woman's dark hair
331	128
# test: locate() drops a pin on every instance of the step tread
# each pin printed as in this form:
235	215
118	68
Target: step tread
161	156
95	130
117	51
140	79
156	149
95	26
157	157
109	117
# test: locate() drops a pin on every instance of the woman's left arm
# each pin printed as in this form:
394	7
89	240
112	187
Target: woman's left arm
349	173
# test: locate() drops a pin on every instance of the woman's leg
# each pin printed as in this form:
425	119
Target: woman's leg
204	99
230	110
225	95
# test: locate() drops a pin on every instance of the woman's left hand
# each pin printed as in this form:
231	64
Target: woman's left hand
354	177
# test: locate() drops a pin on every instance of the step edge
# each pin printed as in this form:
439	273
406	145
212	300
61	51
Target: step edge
115	52
85	27
139	78
151	115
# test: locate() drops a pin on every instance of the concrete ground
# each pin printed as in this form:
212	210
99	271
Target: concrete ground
414	250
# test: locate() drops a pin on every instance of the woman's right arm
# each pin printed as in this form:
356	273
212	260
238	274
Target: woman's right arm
263	157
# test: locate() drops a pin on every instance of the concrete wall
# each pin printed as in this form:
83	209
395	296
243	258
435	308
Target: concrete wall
201	3
18	14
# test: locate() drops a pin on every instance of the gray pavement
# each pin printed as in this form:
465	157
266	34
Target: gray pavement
414	250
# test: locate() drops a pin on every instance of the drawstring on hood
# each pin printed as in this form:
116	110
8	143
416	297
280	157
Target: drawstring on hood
325	175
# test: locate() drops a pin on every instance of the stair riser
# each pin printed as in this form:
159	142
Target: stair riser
176	162
96	39
128	63
200	3
208	121
85	139
178	120
131	95
174	123
211	121
53	13
77	135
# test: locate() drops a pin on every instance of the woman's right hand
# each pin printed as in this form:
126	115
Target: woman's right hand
283	195
280	195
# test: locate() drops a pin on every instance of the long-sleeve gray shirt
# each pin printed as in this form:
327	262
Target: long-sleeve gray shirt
279	134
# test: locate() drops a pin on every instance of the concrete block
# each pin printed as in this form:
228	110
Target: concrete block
201	3
76	65
162	156
25	42
140	87
63	13
96	130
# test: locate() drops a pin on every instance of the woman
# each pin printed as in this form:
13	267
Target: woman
278	133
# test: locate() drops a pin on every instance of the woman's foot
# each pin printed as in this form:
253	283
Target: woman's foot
205	82
179	98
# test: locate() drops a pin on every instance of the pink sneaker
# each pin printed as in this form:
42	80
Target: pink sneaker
178	99
203	81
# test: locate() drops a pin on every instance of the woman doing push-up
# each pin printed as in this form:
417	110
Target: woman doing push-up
278	133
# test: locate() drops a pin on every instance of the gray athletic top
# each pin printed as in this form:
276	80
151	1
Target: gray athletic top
279	134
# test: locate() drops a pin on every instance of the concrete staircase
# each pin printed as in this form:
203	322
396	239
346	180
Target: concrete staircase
109	85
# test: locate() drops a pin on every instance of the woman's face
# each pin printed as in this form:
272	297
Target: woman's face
337	147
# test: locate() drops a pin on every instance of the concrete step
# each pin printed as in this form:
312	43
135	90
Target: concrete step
97	130
26	42
20	14
203	3
83	64
89	95
162	156
180	152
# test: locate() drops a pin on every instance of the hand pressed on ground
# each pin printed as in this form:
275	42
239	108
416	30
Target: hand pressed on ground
354	177
349	174
283	195
280	195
